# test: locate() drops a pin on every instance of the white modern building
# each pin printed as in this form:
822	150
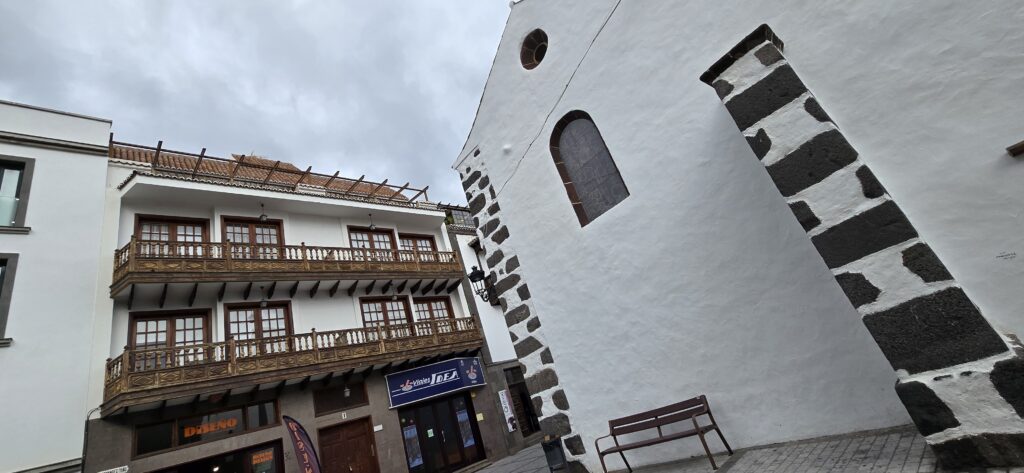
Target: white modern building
663	263
185	304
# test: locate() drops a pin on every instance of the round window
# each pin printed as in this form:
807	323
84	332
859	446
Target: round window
535	46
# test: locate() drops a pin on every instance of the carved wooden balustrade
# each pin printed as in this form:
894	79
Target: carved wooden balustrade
144	375
158	262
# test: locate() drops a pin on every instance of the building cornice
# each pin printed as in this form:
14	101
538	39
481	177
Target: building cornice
53	143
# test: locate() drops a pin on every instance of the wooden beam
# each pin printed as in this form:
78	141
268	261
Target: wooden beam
199	161
401	287
255	392
195	403
327	379
192	296
334	289
370	287
366	373
348	375
280	387
386	368
220	293
234	170
382	184
303	177
352	288
354	184
428	287
247	291
304	383
455	286
271	172
385	287
156	157
163	296
293	290
424	191
440	287
270	292
415	287
329	181
131	297
225	397
162	408
312	290
399	191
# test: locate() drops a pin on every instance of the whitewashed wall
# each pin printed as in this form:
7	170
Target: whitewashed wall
491	317
43	374
702	281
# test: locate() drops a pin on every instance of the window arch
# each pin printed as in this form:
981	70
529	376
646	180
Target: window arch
588	171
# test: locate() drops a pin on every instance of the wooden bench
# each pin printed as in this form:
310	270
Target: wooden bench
687	410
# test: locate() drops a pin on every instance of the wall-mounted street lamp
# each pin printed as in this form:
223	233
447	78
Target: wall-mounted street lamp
482	287
263	214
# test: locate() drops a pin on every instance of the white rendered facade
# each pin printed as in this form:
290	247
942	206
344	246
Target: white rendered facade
700	281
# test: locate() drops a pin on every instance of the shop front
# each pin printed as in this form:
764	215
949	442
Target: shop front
436	415
261	459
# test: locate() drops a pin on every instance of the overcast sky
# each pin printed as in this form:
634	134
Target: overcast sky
385	88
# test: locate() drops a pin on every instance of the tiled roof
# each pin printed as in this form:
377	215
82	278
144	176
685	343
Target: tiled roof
253	169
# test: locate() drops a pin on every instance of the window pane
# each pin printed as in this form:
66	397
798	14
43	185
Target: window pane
338	398
590	169
10	180
210	426
259	415
152	438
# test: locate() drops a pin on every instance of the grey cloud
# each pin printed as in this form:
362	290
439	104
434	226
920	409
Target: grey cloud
383	88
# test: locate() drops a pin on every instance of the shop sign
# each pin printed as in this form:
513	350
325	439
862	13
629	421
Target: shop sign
434	380
304	452
506	407
120	469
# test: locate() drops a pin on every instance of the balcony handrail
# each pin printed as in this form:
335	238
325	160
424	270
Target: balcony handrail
232	351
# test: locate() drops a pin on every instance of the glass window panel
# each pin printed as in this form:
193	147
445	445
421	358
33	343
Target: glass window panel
210	426
10	184
152	438
259	415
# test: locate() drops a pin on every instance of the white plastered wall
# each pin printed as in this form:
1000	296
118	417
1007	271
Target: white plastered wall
701	281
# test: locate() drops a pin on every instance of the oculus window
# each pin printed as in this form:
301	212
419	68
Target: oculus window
591	179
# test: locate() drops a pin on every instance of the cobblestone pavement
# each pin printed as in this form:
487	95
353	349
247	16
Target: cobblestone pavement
890	451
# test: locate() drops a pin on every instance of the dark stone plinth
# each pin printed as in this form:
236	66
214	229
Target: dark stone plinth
858	289
928	412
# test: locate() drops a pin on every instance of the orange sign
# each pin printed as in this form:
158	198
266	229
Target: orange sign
202	429
263	457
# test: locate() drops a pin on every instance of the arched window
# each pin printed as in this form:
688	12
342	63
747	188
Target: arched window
588	171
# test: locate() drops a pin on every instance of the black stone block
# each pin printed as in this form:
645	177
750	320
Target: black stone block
812	162
500	236
804	215
526	346
560	401
928	412
517	315
858	289
768	54
509	282
574	445
981	451
493	209
766	96
545	357
921	260
495	258
868	184
470	180
722	88
760	143
477	204
934	331
524	292
556	425
863	234
538	403
814	109
541	381
490	226
1008	378
532	324
483	183
511	264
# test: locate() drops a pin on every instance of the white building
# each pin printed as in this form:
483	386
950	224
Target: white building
663	264
185	303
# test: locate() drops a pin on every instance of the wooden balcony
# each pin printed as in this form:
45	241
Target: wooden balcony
143	376
167	262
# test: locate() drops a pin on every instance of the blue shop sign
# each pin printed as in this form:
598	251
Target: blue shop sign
434	380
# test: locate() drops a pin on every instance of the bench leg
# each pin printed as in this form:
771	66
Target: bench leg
719	431
707	451
603	467
623	455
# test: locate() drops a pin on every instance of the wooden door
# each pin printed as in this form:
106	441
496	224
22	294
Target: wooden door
348	448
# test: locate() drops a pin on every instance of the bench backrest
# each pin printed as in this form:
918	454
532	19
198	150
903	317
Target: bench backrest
658	417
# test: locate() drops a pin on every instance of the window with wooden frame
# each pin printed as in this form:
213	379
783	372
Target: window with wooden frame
378	243
422	246
250	325
252	238
591	179
15	183
393	315
165	236
218	424
340	397
168	338
438	309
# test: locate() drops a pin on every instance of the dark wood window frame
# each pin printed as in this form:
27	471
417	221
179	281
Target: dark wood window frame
174	428
570	186
169	316
286	304
408	309
366	397
171	220
24	187
392	234
447	300
226	220
417	236
6	290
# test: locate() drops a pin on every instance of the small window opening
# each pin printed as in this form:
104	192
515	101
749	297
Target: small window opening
535	46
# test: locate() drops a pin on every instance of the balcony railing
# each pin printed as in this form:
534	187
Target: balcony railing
155	261
138	371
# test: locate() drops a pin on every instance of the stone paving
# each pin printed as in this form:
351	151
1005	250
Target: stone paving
890	451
